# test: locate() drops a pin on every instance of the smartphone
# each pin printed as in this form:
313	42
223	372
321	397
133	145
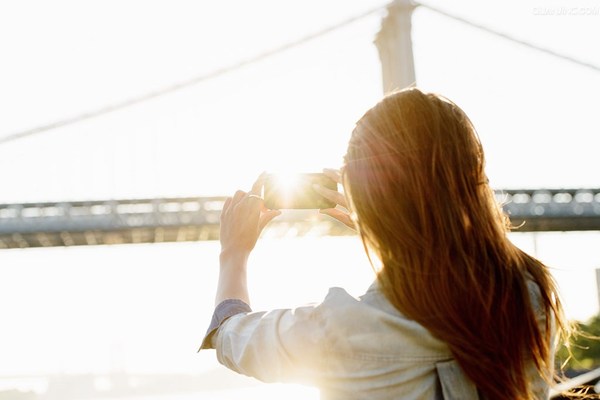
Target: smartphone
296	191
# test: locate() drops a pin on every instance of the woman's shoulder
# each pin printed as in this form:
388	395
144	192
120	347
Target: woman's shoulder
369	325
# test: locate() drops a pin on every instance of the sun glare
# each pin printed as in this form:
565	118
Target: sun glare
287	181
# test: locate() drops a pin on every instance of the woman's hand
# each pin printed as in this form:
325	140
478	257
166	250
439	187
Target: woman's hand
243	218
341	214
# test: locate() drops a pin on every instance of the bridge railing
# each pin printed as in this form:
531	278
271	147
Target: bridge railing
197	218
552	209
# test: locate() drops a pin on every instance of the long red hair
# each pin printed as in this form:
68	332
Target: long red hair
414	176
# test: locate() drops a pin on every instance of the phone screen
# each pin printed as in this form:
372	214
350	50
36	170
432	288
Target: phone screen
296	191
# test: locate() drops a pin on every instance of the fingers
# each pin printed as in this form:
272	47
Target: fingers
226	206
340	215
331	195
242	199
258	184
230	202
241	203
242	219
250	202
267	217
237	197
333	174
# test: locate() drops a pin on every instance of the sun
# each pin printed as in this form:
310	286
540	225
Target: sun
287	182
280	189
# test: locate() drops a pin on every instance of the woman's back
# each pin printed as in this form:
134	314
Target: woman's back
351	349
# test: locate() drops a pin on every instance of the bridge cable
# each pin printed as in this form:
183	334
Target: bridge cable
511	38
183	84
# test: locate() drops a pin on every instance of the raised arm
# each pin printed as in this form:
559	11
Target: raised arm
242	220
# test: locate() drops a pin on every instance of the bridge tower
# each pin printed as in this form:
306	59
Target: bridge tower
394	44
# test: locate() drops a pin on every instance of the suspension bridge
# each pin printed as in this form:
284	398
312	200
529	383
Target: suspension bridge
104	222
197	218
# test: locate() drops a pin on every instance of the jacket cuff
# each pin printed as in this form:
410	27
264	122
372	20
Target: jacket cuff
225	309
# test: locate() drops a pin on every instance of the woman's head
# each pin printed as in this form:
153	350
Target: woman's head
415	159
414	176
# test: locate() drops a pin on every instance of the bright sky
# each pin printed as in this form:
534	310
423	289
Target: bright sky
536	115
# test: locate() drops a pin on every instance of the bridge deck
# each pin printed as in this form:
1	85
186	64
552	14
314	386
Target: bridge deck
197	218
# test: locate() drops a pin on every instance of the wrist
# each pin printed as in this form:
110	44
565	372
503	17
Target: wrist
233	276
236	258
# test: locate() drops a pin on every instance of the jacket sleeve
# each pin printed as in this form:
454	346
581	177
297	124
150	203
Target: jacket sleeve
224	310
276	346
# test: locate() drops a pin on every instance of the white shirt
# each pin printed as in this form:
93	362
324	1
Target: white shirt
351	348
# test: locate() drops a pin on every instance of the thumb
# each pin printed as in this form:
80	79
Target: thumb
266	217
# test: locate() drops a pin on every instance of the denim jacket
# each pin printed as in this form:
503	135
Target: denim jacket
351	348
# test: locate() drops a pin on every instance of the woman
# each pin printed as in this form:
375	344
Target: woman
456	312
